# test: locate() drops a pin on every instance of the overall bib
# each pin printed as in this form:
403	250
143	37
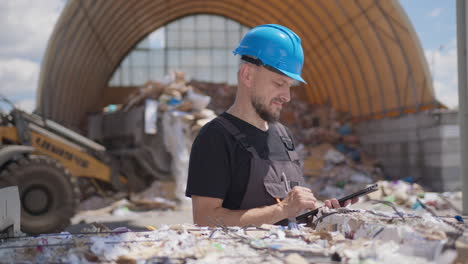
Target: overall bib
268	179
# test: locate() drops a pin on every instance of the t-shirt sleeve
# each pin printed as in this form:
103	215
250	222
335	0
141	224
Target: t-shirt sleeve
209	168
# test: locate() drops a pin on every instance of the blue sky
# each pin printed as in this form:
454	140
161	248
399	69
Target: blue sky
434	20
435	24
25	26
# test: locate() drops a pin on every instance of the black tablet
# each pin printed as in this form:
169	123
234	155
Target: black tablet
374	187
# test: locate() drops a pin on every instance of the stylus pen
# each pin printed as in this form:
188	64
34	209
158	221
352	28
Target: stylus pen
292	223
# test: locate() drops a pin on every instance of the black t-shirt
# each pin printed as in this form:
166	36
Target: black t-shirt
220	166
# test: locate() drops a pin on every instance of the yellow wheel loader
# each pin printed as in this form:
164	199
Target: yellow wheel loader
54	167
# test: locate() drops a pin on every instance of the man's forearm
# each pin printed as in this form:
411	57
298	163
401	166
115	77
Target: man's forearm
255	216
210	211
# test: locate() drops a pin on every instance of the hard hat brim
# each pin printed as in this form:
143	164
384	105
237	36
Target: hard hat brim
294	76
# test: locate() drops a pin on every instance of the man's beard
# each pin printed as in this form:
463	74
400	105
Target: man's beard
263	112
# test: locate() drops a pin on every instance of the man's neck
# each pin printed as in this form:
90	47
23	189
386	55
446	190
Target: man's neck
248	114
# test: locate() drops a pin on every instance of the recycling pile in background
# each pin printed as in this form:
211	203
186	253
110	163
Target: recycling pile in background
344	235
412	196
334	162
173	114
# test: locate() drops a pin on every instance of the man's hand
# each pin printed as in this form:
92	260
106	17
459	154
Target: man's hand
333	203
298	199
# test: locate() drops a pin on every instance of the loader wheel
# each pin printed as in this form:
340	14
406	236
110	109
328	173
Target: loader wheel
49	194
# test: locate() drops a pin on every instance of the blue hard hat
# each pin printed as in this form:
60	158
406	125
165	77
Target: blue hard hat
275	46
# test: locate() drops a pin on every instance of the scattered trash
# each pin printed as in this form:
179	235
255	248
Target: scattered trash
344	235
122	211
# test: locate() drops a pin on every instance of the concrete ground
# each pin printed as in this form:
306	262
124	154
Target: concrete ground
134	220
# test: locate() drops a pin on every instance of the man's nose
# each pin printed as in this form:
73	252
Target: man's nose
286	95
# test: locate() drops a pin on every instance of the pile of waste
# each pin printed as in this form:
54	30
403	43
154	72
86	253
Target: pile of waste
344	235
395	237
173	114
174	94
222	95
334	162
412	195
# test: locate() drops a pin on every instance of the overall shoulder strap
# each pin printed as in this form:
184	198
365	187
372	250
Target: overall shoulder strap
287	141
239	136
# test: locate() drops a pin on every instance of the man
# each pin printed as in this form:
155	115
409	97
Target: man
243	166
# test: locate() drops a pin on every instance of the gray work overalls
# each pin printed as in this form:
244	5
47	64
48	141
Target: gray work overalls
268	178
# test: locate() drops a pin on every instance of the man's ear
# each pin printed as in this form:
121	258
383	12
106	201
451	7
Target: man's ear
246	72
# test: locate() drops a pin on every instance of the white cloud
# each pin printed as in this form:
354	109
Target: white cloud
435	12
446	93
25	26
27	105
18	77
443	65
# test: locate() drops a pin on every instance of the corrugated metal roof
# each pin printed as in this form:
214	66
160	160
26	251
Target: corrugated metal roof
362	56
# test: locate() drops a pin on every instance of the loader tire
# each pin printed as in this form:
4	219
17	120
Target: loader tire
48	192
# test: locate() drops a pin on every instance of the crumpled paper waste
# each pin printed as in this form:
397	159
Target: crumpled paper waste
407	194
337	235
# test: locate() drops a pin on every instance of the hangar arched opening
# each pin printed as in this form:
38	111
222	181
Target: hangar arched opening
199	45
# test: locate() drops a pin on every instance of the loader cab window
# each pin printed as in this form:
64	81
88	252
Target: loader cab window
199	45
